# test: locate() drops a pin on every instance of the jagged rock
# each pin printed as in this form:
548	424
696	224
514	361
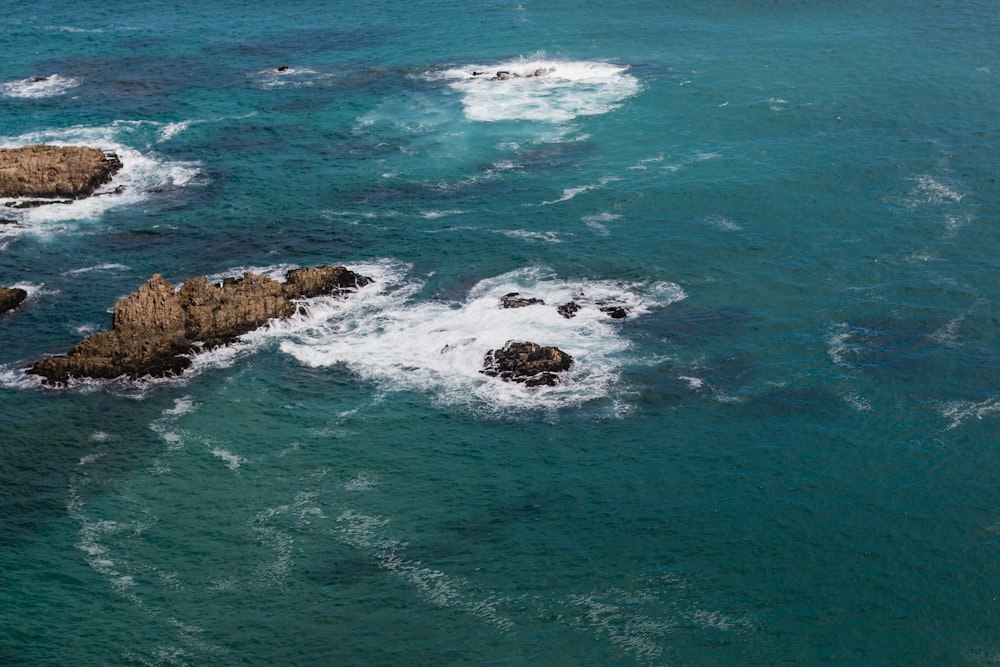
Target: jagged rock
532	364
11	298
569	309
616	312
157	328
314	281
51	172
515	300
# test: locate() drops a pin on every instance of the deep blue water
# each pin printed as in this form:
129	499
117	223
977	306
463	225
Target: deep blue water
785	454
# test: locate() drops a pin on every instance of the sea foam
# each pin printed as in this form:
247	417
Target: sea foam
38	87
386	336
541	89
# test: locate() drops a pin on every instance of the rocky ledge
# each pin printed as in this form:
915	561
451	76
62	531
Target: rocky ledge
529	363
55	172
567	310
11	298
156	329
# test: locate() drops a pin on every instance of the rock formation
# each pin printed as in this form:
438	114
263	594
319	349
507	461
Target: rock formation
11	298
615	312
569	309
52	172
515	300
156	329
527	362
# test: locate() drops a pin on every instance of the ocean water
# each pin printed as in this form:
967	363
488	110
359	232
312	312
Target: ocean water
785	454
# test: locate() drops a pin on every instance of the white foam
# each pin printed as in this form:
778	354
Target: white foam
288	77
949	333
599	222
99	267
90	458
38	87
723	223
437	587
527	235
432	215
385	336
960	411
694	383
233	461
839	343
564	90
931	191
641	620
171	130
363	482
643	164
182	406
570	193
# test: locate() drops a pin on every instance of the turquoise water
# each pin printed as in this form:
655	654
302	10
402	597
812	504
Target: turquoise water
786	454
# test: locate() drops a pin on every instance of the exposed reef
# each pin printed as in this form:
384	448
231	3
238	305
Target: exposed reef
567	310
54	172
156	329
528	363
11	298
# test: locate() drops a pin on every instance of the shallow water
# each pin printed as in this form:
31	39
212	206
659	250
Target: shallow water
784	454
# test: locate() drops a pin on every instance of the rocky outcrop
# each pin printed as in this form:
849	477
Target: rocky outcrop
571	308
55	172
567	310
515	300
526	362
156	329
11	298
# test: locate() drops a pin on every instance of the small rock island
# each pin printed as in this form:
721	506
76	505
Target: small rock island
55	172
157	329
11	298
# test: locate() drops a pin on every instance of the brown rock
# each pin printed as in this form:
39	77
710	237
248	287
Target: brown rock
55	171
314	281
157	328
11	298
527	362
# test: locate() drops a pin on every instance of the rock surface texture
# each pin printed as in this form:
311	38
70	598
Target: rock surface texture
532	364
50	172
11	298
156	329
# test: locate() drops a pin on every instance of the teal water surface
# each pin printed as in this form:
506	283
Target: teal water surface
785	454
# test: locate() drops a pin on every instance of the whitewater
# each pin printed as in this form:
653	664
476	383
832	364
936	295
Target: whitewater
784	452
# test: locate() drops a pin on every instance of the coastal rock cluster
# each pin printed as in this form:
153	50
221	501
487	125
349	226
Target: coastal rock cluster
532	364
528	363
54	172
11	298
157	328
567	310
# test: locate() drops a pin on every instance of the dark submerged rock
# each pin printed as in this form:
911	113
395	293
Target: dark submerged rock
11	298
51	172
157	328
515	300
569	309
615	312
528	363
